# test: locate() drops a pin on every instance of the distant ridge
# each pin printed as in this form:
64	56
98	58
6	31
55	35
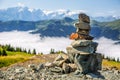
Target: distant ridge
27	14
63	27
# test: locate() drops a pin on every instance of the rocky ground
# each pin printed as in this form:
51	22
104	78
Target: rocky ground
34	69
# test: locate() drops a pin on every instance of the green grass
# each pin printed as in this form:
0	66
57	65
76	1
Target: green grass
13	57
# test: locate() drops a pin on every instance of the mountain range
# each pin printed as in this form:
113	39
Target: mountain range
27	14
63	27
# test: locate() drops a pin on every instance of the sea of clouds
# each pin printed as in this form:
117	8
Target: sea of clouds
34	41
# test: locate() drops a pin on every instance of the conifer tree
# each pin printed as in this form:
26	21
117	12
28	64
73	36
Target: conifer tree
52	51
29	52
0	53
34	51
9	48
18	49
4	52
113	59
24	50
118	60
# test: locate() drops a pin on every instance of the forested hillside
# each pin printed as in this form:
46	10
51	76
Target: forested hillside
63	27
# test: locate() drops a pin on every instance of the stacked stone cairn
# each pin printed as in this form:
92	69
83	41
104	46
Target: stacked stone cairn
82	51
81	56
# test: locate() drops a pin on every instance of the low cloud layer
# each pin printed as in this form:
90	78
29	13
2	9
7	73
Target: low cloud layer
31	41
108	47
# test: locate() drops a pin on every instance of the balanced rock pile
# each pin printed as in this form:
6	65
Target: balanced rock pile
83	50
81	55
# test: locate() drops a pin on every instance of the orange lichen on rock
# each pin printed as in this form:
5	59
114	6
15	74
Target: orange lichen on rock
74	36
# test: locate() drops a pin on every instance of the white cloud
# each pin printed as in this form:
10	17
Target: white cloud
31	41
20	4
108	47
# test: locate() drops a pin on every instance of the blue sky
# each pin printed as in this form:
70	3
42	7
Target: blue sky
95	7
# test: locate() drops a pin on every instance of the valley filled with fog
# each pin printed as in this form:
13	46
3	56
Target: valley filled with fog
34	41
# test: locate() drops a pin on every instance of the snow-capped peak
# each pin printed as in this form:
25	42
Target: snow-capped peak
20	10
47	12
29	14
61	11
65	13
30	9
70	13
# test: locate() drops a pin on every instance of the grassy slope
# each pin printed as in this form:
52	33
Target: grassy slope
114	25
13	57
107	63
